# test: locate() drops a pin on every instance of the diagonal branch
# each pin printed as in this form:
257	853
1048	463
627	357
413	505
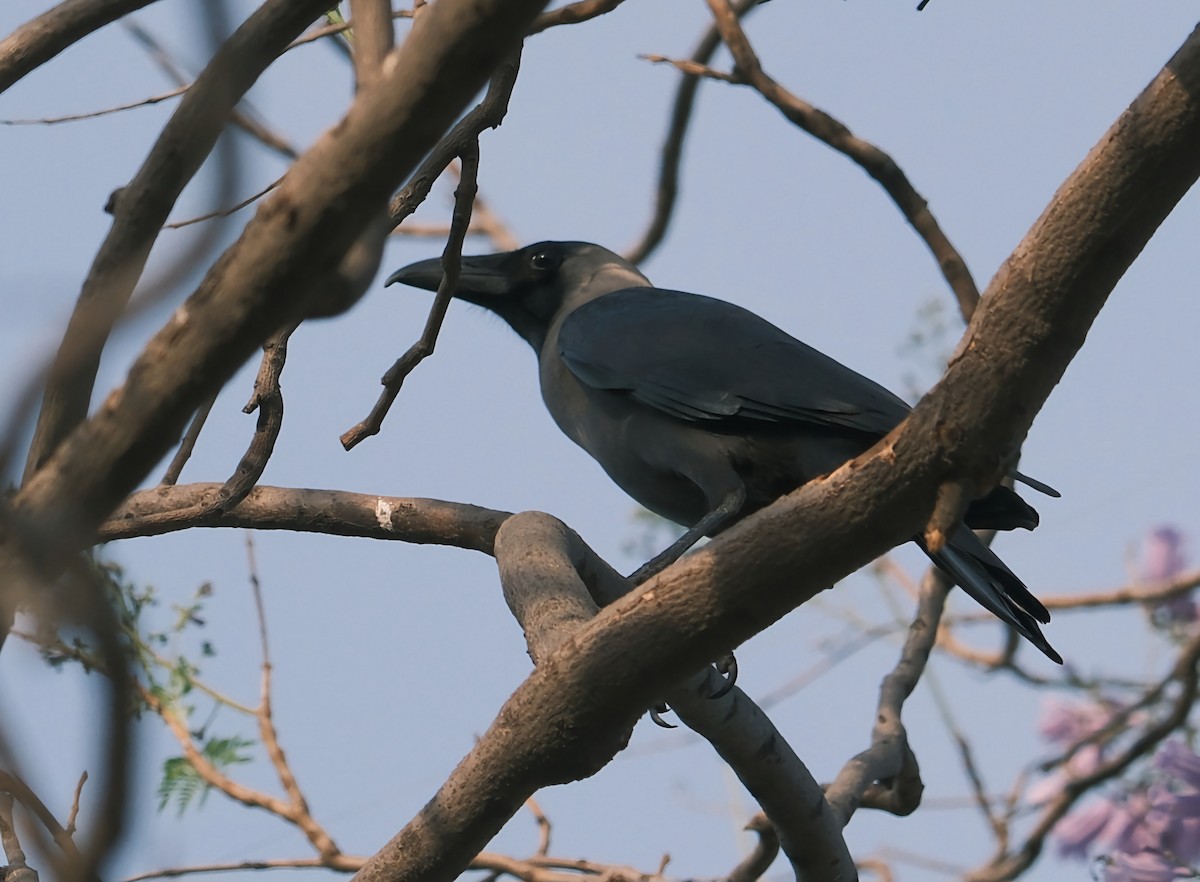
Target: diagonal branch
488	114
42	38
667	192
547	573
875	162
141	208
393	379
288	261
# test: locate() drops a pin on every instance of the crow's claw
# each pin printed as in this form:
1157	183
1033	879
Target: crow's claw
656	715
726	666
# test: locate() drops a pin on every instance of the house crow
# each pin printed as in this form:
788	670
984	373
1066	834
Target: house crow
704	412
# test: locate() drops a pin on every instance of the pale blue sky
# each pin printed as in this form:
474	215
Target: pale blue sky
390	659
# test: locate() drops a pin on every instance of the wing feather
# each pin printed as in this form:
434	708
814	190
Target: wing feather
704	360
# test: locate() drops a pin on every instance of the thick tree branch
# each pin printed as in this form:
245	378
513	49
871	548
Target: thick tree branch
39	40
168	509
141	208
289	257
544	567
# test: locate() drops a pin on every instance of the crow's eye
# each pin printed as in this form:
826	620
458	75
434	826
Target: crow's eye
544	261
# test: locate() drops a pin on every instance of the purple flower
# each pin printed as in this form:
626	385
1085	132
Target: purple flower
1176	760
1162	554
1163	559
1181	838
1146	866
1076	832
1134	825
1065	722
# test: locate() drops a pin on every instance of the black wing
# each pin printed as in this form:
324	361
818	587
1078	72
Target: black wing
701	359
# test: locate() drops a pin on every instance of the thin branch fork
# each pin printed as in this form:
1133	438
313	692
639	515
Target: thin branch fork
667	192
393	380
488	114
875	162
15	787
889	759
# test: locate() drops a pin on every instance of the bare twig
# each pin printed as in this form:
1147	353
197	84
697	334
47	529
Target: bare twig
875	162
543	825
484	220
694	69
188	444
224	212
672	149
76	117
243	119
346	863
299	812
16	787
752	867
393	380
533	869
292	810
73	814
334	28
1127	595
889	759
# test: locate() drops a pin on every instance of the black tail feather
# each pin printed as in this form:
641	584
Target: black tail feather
979	572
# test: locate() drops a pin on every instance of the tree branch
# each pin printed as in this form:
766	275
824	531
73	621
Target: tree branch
875	162
393	379
141	208
889	760
667	191
42	38
544	567
288	262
